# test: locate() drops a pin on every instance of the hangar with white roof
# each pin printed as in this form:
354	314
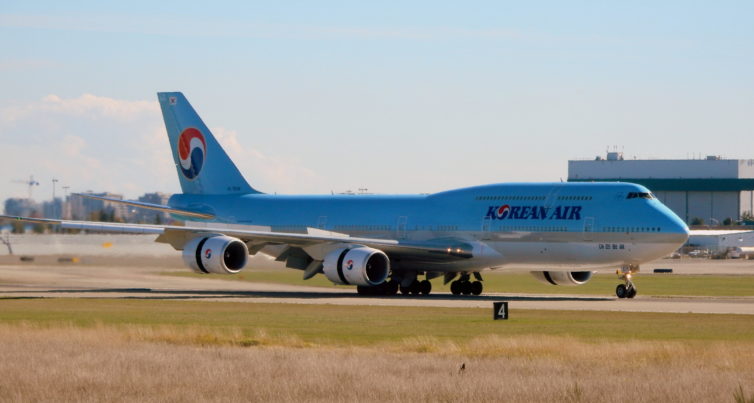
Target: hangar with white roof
712	190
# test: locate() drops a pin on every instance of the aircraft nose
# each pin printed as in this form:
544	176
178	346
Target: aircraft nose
675	227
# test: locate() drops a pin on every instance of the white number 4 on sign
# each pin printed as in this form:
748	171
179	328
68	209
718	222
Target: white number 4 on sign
500	310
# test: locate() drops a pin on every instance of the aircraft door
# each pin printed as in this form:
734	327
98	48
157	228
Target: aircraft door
588	228
552	195
486	221
486	228
400	227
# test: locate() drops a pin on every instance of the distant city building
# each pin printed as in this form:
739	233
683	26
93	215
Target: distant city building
152	216
53	208
711	190
22	207
83	208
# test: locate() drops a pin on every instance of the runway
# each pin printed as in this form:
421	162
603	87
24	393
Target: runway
141	279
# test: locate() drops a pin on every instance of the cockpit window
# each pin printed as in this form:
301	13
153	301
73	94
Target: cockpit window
640	195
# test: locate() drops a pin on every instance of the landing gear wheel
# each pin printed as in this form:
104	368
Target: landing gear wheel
627	289
455	287
405	290
425	287
386	288
621	291
476	287
415	287
391	287
466	287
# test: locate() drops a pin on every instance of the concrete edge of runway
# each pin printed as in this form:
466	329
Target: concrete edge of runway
140	277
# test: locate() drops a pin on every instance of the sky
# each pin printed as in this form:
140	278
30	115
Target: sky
393	96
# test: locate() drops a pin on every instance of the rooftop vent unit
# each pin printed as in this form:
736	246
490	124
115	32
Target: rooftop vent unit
615	156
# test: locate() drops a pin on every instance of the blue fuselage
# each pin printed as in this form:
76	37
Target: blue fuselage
533	225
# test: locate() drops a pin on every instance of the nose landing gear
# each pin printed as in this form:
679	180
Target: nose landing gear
628	289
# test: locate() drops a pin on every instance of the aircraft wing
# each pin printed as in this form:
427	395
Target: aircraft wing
445	250
150	206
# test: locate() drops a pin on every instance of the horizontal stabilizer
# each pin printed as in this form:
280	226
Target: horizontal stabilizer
151	206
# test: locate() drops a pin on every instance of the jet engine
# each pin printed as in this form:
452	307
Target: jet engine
357	266
217	254
569	278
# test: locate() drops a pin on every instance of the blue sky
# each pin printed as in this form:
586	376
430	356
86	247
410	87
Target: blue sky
399	97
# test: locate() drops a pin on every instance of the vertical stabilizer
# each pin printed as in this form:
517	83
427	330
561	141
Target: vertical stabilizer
202	164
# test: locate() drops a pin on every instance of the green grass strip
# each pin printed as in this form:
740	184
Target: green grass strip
601	284
365	325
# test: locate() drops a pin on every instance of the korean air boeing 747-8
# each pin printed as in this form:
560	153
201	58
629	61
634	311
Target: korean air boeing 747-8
561	232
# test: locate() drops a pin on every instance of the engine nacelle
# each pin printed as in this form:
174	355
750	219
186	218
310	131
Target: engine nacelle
569	278
215	254
357	266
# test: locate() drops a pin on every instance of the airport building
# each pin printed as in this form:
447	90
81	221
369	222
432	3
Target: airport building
152	216
731	243
710	191
22	207
82	208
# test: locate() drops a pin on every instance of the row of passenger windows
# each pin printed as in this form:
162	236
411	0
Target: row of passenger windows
531	198
574	197
631	229
362	227
288	228
510	198
389	228
530	228
295	228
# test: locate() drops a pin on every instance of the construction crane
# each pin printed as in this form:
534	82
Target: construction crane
30	183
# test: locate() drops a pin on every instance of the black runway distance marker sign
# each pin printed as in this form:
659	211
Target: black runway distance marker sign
500	310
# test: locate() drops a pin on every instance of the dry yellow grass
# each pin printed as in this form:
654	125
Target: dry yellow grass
144	363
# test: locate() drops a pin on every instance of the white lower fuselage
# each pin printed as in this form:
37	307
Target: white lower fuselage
555	226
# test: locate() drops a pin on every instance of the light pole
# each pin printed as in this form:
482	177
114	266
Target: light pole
54	204
65	201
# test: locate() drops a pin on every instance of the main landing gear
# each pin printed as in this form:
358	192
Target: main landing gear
462	286
465	286
423	287
628	289
389	287
392	286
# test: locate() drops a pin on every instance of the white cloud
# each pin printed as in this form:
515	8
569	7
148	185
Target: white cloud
205	27
87	105
86	142
25	64
73	145
99	143
264	172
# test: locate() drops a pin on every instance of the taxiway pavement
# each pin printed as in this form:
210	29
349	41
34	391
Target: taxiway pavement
137	278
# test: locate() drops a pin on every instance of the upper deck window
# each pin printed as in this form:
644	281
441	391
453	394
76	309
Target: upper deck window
640	195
